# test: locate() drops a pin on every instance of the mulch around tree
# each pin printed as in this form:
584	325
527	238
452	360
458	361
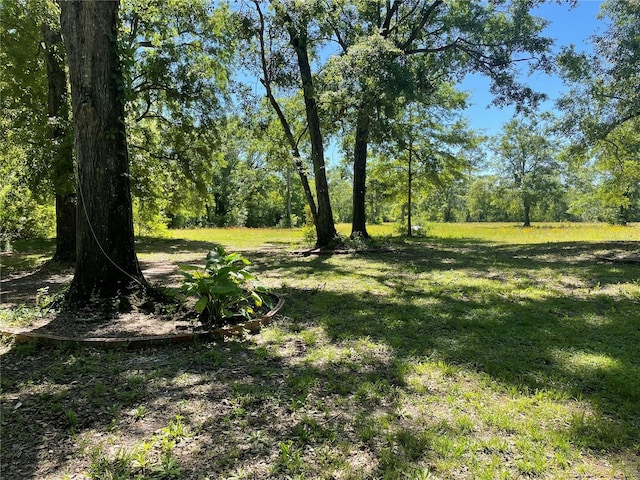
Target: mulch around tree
137	328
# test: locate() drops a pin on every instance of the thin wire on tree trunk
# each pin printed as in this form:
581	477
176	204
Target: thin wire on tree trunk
95	237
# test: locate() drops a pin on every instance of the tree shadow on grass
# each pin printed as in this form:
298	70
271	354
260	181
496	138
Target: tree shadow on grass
240	387
582	346
147	245
581	260
68	397
571	336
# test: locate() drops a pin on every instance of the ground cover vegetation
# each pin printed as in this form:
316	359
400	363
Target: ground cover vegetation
470	352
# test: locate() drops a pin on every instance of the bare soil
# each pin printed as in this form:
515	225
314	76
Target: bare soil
24	290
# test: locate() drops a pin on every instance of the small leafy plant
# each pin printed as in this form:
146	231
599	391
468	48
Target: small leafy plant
224	288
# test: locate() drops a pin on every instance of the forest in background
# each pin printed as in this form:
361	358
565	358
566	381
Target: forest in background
218	130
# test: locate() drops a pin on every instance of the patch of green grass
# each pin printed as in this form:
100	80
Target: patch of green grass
26	255
249	238
148	458
20	317
515	234
242	238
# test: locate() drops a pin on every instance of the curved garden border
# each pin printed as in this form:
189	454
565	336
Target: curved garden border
252	326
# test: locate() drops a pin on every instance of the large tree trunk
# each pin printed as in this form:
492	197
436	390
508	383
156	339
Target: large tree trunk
106	264
359	219
64	180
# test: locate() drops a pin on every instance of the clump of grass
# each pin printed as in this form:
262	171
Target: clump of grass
151	458
24	316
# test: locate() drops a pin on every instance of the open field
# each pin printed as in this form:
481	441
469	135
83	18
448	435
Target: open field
489	232
479	351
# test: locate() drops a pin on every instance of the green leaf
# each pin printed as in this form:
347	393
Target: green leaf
184	268
232	257
201	304
225	289
257	299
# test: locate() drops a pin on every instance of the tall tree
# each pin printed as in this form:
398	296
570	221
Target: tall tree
270	72
602	110
34	100
106	264
406	47
426	144
64	178
176	58
297	22
527	159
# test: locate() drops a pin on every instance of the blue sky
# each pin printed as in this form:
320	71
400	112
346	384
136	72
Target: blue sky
567	26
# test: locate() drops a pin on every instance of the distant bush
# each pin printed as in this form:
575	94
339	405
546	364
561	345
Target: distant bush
21	216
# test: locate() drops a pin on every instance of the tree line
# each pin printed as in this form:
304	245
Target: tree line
203	113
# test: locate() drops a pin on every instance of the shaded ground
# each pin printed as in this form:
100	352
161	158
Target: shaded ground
451	359
26	289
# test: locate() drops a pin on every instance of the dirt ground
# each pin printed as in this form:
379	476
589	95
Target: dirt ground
23	290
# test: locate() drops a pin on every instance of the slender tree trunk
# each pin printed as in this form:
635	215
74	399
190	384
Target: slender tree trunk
106	264
527	211
297	159
622	215
359	218
64	180
325	226
409	190
288	205
286	127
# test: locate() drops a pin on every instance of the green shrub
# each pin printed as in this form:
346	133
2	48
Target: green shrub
224	288
309	228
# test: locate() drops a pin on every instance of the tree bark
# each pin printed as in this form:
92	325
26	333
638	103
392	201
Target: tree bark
527	211
64	180
288	202
359	219
325	226
106	264
410	189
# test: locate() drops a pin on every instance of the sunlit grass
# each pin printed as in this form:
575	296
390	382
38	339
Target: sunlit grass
508	233
25	255
242	238
511	233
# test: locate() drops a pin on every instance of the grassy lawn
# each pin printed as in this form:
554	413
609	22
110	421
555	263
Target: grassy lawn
479	351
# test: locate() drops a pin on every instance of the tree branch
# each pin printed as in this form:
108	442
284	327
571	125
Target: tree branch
384	30
426	15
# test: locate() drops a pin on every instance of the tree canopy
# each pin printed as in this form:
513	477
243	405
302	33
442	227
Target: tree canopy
602	112
249	113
